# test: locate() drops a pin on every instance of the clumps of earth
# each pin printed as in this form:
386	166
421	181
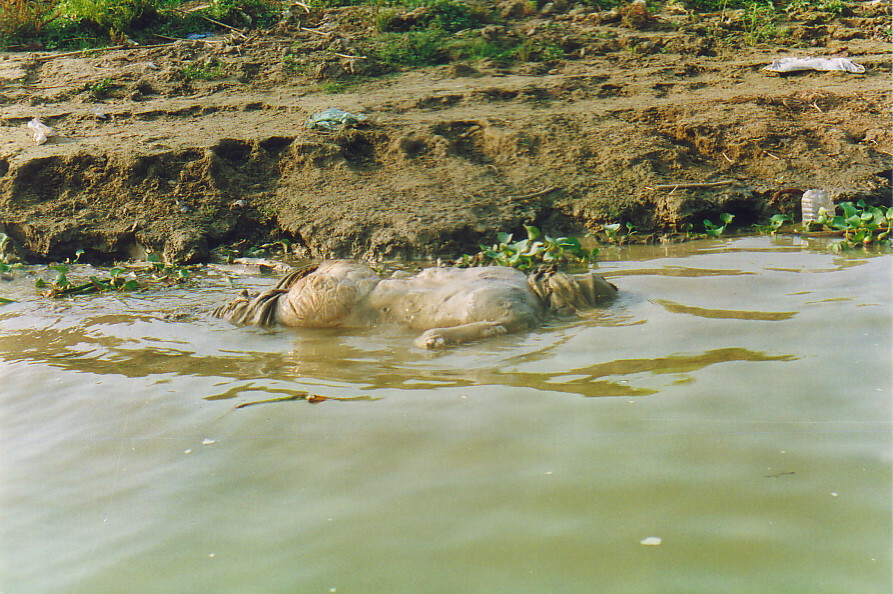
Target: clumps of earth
593	118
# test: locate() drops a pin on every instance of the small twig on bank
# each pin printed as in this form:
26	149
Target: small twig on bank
690	186
323	33
79	52
225	26
181	39
102	49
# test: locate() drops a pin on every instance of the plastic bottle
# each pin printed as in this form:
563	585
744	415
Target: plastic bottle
812	201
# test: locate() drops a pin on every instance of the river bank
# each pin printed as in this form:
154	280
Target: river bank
181	147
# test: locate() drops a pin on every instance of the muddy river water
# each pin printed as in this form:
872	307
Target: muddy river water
734	406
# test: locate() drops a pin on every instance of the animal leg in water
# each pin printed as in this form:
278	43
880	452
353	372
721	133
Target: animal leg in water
441	337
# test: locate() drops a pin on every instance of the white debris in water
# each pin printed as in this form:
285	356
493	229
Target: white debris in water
651	541
211	555
833	494
207	441
548	473
187	451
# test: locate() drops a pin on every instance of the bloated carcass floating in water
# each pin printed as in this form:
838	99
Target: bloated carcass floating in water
450	305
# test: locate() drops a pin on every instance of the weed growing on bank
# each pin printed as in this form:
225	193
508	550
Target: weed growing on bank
78	24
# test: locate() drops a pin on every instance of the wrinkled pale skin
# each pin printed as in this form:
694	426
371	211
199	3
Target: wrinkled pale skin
450	305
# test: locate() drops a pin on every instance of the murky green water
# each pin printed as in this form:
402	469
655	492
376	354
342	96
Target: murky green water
735	402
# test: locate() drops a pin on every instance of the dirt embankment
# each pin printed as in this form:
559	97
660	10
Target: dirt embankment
148	157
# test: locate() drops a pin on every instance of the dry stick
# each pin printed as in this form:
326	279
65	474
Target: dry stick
100	49
350	57
692	186
79	52
210	20
323	33
181	39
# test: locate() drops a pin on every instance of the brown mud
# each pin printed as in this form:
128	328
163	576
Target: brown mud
153	160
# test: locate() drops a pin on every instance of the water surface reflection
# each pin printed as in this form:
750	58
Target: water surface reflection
742	415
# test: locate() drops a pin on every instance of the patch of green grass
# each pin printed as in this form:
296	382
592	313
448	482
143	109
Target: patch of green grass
292	64
475	47
99	89
210	70
332	87
532	50
23	19
760	22
76	24
413	48
832	6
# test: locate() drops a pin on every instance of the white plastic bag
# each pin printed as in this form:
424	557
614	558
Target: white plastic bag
794	64
41	130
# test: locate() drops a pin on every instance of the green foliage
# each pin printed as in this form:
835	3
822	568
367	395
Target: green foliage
153	271
832	6
453	16
62	287
775	224
243	248
613	232
413	48
717	231
209	70
282	247
532	50
760	21
99	89
535	250
5	266
4	247
332	87
475	47
246	13
860	224
111	16
79	24
21	20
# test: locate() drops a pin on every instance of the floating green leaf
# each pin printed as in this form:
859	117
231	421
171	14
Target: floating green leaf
531	252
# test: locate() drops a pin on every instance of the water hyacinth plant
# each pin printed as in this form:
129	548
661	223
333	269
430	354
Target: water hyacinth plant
717	231
158	272
537	249
860	224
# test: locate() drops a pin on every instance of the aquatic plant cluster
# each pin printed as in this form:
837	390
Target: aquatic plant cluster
154	272
527	254
860	225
